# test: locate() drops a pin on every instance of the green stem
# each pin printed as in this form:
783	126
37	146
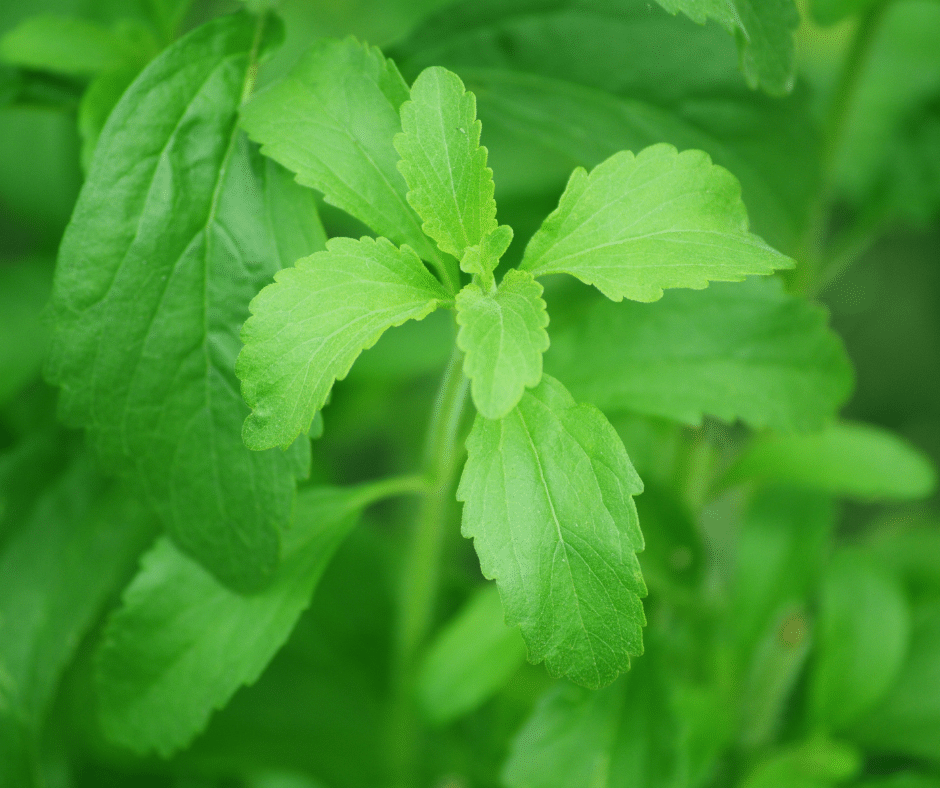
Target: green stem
813	275
443	452
371	492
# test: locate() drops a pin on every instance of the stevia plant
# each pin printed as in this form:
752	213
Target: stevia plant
277	276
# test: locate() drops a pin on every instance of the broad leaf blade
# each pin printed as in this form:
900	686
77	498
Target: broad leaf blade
548	501
449	184
746	351
308	328
764	31
170	239
639	224
182	643
503	334
335	132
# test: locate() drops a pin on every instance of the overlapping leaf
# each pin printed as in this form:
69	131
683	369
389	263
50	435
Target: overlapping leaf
503	334
548	501
173	233
639	224
307	329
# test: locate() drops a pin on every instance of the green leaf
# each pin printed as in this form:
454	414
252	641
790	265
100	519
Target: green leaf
746	351
24	288
48	597
812	764
182	643
625	735
862	638
336	135
856	460
96	105
907	720
639	224
307	329
548	500
63	44
471	658
483	258
449	184
173	234
503	334
828	12
764	31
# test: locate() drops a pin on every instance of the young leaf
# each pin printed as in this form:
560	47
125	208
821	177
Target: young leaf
622	736
856	460
307	329
639	224
449	184
863	633
470	660
336	134
503	334
746	351
181	644
548	500
764	31
171	237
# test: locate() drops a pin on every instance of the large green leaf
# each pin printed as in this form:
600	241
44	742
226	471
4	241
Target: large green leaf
307	329
547	495
639	224
503	334
763	29
449	184
622	736
566	83
470	659
856	460
176	228
336	134
744	351
182	643
863	631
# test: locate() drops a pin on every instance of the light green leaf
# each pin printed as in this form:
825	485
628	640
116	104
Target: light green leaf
307	329
181	644
449	184
483	258
764	31
856	460
503	334
65	45
863	632
746	351
622	736
548	500
336	134
639	224
172	236
470	659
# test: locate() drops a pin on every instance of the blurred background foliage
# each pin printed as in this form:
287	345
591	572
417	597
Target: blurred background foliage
794	635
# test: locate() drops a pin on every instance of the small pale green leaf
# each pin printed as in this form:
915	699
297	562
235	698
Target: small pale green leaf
746	351
181	644
470	659
482	258
862	639
308	328
639	224
856	460
449	184
62	44
764	31
623	736
503	334
173	234
548	501
335	132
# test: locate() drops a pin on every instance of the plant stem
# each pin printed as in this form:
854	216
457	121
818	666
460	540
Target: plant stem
371	492
813	274
422	564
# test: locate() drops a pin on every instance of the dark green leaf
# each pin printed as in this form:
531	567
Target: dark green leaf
172	236
24	288
548	501
744	351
